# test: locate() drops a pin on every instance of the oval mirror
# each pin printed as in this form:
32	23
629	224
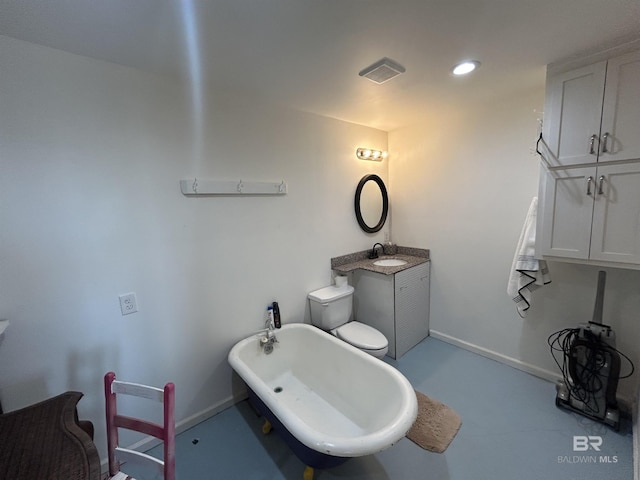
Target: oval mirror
371	203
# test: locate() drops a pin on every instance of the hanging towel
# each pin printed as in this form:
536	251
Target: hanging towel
527	273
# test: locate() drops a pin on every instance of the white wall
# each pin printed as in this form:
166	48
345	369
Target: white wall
461	185
91	155
90	159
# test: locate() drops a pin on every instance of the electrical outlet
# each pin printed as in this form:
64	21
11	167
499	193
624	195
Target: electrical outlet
128	303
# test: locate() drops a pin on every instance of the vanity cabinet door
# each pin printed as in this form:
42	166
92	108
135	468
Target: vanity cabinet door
396	305
374	304
411	307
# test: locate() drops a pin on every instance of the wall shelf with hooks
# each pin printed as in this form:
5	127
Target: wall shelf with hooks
198	186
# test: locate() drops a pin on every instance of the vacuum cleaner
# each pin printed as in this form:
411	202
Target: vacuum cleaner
590	366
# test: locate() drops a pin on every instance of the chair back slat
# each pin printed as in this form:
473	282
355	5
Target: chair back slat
138	390
124	455
141	426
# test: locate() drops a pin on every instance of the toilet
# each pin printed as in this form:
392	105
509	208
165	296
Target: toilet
331	311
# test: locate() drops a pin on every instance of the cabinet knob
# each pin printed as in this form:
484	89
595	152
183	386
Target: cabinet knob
589	182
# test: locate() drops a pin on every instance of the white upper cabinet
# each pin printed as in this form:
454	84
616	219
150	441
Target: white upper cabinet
567	212
592	213
615	234
589	196
620	130
576	111
594	113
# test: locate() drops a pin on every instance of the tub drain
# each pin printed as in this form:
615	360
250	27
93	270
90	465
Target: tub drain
277	389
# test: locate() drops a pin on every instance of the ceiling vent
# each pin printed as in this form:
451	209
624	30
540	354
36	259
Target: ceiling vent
382	70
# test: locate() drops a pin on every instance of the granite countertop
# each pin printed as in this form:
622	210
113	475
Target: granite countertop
361	260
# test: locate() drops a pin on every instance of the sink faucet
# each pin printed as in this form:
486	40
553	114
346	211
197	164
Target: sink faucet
373	253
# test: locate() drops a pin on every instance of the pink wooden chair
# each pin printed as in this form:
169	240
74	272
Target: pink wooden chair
119	456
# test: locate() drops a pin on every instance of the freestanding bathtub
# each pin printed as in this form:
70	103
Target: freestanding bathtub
329	400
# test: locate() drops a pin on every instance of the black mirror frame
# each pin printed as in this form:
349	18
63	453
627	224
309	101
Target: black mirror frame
385	203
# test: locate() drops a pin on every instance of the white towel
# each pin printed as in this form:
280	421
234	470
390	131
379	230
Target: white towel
527	273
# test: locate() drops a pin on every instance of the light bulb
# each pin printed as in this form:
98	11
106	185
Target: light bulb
465	67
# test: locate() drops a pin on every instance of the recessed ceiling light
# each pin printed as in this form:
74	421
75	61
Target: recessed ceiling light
465	67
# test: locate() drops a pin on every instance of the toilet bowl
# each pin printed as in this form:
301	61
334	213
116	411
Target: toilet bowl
364	337
331	311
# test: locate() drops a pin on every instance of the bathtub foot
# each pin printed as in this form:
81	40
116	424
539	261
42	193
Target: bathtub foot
266	428
308	473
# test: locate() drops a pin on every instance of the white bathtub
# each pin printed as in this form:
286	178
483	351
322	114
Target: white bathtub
330	396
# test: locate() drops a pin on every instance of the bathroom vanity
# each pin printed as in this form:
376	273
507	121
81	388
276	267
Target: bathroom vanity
392	299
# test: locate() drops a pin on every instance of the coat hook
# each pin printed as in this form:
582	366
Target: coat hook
538	145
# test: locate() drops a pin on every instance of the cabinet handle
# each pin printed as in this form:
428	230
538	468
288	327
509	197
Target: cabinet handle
592	143
605	137
589	180
600	185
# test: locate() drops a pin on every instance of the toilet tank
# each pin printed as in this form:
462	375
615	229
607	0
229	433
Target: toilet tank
331	306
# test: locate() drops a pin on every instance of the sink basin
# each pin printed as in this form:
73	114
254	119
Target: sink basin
389	262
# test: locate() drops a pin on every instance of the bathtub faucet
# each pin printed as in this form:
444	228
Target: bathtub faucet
269	338
373	253
269	326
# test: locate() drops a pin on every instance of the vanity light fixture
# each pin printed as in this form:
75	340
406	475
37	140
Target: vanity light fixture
465	67
371	154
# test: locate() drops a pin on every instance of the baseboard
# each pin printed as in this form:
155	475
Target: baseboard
184	425
512	362
625	404
209	412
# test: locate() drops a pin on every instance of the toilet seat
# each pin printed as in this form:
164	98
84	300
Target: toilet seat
362	336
